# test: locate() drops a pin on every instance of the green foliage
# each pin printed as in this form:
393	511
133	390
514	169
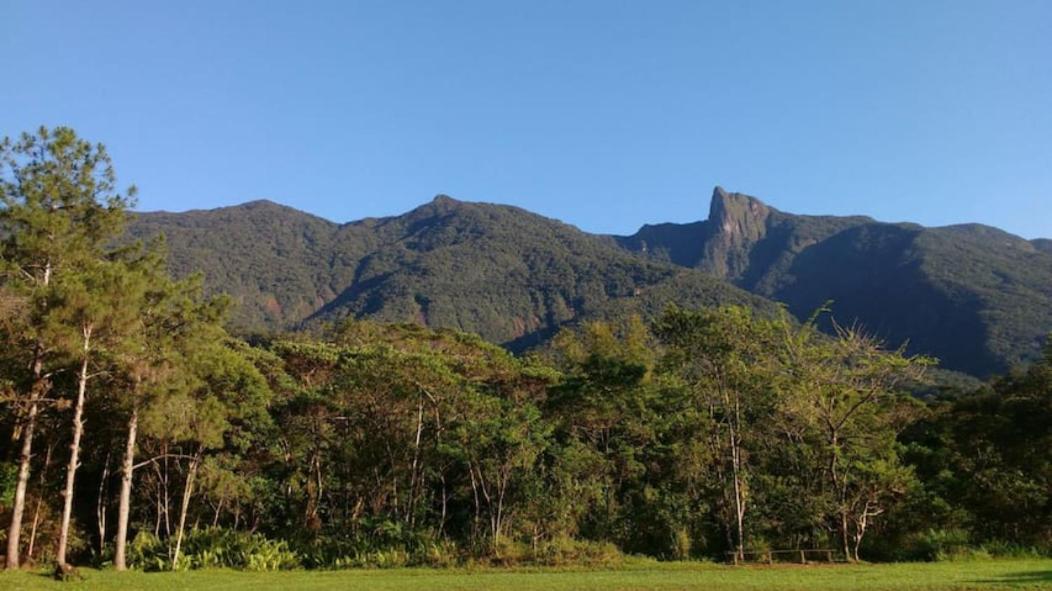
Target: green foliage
971	295
671	432
214	548
516	278
511	276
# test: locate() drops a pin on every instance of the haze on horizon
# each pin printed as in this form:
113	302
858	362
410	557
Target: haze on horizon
606	115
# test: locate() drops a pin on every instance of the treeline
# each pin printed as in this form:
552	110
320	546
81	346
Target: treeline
136	431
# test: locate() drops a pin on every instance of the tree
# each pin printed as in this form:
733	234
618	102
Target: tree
225	396
153	362
98	304
60	208
725	358
847	396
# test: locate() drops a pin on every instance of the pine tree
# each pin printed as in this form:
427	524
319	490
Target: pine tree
60	209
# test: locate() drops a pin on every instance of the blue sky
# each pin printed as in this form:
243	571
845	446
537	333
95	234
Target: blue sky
604	114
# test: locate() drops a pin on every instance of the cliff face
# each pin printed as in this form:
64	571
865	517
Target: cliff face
736	224
977	298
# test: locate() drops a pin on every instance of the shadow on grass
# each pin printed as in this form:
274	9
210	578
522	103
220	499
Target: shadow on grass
1031	576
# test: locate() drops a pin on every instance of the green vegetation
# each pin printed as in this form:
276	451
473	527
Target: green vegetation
139	433
506	274
973	296
950	576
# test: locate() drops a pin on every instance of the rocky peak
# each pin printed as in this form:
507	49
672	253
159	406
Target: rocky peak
737	215
736	222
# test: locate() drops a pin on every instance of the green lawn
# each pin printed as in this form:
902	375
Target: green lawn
992	574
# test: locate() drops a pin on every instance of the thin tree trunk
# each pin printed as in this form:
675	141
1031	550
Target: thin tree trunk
18	508
14	532
844	535
739	499
39	505
124	510
414	483
188	489
166	507
219	509
74	450
100	505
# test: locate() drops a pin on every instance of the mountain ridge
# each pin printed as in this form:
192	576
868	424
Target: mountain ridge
972	294
515	276
510	275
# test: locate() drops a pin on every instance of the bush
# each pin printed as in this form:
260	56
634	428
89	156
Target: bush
1000	549
147	552
567	551
224	548
212	548
941	544
681	545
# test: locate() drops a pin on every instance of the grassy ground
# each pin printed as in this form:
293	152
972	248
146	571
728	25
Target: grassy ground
999	574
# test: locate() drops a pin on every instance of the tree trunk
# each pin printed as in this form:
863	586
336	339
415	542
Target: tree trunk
739	492
188	489
18	507
40	503
74	451
845	536
101	502
124	510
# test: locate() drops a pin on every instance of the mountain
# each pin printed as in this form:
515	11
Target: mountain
509	275
976	297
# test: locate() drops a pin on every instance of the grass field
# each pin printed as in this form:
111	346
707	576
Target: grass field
992	574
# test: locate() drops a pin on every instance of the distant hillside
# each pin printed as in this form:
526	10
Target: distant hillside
978	298
507	274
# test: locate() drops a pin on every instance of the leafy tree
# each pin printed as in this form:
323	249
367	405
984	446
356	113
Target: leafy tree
845	397
60	211
725	358
98	303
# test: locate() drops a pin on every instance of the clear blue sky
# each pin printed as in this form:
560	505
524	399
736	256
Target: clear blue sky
605	114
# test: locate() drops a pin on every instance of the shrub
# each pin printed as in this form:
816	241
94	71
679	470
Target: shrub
681	545
224	548
566	551
147	552
212	548
940	544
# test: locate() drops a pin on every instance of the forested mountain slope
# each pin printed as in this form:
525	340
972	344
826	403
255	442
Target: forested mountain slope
509	275
976	297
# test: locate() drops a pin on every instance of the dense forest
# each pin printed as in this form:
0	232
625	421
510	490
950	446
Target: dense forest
135	430
977	298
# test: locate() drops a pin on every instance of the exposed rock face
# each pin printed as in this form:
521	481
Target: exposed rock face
736	223
977	298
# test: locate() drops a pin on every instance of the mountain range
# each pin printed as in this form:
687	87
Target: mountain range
977	298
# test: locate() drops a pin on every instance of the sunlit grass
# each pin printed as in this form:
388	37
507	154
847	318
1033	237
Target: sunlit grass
990	574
